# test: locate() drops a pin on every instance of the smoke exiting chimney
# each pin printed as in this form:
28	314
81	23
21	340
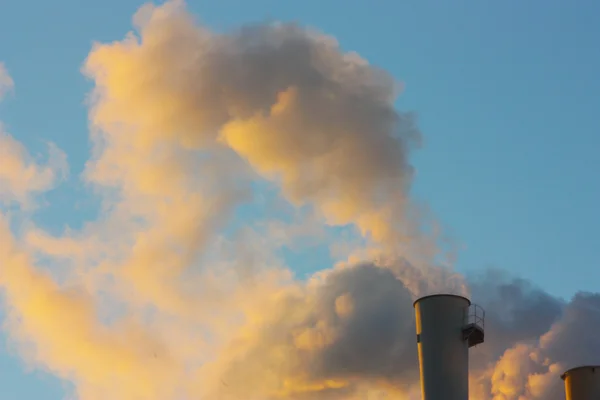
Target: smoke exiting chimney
447	326
582	383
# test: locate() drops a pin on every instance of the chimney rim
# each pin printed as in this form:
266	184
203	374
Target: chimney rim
441	295
567	372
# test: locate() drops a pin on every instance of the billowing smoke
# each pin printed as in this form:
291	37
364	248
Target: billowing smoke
166	296
257	92
534	339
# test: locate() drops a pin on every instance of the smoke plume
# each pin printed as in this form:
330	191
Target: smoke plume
166	295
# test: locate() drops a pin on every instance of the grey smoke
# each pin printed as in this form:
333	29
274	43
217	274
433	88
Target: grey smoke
516	311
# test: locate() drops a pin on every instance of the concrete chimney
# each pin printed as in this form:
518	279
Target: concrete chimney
447	326
582	383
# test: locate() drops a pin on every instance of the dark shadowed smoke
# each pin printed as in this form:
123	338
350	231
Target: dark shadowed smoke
516	311
575	339
373	339
558	335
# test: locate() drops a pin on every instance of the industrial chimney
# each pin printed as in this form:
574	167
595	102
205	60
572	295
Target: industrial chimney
447	326
582	383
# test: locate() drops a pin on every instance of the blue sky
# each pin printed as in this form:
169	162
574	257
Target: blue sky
506	93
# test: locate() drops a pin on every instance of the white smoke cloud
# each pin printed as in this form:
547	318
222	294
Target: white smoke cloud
166	297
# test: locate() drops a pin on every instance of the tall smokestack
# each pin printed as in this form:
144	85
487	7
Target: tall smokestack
582	383
447	326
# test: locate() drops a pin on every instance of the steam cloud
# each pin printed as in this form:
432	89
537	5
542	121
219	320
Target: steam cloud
158	299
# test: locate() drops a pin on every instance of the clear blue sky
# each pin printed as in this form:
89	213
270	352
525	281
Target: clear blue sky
507	94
